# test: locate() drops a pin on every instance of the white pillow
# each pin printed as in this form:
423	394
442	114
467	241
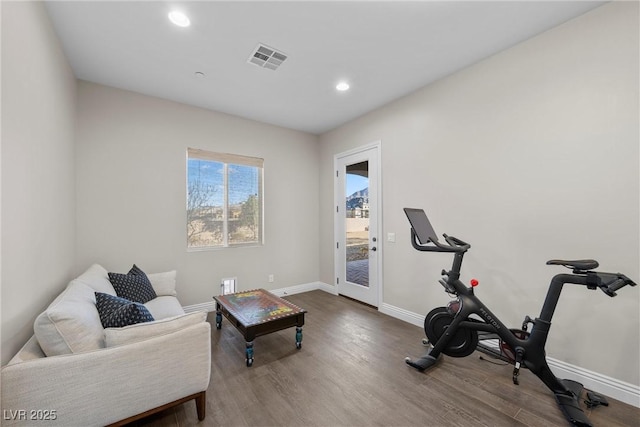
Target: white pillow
71	323
97	278
164	283
143	331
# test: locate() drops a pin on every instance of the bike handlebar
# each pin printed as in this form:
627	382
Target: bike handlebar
454	244
457	243
617	282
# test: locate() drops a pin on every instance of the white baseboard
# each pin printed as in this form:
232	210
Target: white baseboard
402	314
619	390
205	306
298	289
333	290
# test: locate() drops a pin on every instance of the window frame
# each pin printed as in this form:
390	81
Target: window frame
227	159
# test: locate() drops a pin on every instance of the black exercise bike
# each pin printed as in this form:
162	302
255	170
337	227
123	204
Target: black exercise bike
453	332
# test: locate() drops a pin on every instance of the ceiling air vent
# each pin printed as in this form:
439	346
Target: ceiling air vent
267	57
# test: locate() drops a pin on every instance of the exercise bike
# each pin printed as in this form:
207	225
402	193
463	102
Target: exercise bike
453	332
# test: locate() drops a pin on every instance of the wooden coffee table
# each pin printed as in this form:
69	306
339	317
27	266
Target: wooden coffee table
259	312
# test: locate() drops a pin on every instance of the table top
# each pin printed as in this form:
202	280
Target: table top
257	306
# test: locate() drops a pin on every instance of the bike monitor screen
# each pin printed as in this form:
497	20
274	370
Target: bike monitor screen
421	225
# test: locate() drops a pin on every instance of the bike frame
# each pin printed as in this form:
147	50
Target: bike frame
531	349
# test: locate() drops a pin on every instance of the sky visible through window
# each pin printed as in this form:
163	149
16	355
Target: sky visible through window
356	183
243	180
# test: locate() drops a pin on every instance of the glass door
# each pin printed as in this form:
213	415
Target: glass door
356	225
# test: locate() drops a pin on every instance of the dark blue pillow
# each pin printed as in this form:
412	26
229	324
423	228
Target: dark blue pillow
134	286
116	312
135	270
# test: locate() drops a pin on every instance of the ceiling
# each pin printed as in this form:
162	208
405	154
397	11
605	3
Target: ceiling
383	49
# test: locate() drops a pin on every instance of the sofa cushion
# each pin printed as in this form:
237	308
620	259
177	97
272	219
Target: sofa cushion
71	323
134	287
97	279
164	284
164	306
117	312
142	331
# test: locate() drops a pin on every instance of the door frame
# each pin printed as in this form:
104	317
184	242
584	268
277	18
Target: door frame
338	216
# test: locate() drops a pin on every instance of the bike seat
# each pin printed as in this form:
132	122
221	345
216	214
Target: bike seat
579	264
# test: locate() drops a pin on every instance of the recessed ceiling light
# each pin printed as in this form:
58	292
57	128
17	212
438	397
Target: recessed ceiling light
342	86
179	18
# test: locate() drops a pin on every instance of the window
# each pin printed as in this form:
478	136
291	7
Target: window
224	200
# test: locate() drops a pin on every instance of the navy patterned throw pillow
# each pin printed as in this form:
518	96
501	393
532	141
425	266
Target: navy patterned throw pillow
134	286
135	270
116	312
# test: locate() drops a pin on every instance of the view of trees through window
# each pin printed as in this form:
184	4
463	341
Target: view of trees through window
224	202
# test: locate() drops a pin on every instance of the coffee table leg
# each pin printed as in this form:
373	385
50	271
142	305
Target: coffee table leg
218	316
249	353
298	337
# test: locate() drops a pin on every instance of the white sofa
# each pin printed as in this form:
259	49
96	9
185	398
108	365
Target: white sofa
74	372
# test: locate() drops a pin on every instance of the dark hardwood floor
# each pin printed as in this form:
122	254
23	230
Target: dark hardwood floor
351	372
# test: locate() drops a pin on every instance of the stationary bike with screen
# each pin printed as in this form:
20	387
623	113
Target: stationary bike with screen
453	332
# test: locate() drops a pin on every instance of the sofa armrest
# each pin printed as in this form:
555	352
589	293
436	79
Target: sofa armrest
107	385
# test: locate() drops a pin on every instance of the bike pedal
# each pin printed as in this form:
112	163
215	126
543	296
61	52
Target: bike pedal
594	400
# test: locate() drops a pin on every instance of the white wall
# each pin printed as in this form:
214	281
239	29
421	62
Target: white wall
38	172
529	155
131	201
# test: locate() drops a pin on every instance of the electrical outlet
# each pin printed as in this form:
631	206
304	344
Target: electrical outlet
271	278
228	285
